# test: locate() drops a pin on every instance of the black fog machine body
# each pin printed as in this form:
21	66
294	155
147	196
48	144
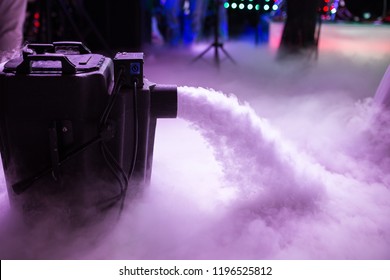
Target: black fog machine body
77	129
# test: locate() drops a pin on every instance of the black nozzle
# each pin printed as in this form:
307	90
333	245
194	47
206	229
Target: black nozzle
164	101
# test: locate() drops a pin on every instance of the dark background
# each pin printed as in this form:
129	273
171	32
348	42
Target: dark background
358	7
108	26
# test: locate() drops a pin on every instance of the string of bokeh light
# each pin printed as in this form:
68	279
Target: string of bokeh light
266	5
327	7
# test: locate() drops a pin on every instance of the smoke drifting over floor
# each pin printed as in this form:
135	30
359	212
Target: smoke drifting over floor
283	160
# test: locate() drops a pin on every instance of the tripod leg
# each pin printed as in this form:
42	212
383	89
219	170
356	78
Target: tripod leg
95	30
216	55
48	21
71	20
202	53
228	55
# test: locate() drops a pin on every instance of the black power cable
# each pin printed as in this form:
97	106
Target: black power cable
135	135
25	184
104	135
114	166
110	105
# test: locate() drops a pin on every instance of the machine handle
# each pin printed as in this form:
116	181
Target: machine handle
81	47
51	48
66	65
41	48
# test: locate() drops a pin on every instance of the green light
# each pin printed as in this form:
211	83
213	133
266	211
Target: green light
250	6
266	0
241	6
234	5
366	15
266	7
257	7
226	5
275	7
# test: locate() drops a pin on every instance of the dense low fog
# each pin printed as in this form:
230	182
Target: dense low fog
268	159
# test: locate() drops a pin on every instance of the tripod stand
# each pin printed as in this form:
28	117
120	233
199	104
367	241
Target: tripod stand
75	14
217	45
